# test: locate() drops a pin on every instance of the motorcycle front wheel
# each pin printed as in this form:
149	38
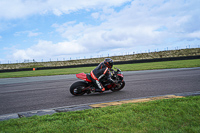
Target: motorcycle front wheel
118	86
76	88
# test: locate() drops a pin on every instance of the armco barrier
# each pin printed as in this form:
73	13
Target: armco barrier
115	63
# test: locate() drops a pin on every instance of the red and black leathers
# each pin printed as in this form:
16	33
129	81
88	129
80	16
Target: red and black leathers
99	72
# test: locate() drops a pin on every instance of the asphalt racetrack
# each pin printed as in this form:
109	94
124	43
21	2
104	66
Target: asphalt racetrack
35	93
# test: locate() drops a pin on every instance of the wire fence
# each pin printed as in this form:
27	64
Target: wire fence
96	56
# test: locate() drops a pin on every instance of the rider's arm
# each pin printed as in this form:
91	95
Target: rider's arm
108	75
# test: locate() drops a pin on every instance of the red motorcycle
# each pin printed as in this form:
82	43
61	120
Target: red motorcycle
81	87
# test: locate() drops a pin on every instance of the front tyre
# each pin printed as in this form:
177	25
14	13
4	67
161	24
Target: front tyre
118	86
76	88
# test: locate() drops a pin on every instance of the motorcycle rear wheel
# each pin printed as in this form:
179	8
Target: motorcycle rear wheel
76	88
118	87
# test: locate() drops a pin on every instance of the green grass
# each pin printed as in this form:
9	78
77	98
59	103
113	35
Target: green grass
125	67
45	72
180	115
160	65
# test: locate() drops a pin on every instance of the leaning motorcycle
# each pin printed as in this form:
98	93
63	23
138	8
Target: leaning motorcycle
86	86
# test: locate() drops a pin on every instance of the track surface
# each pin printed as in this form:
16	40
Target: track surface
35	93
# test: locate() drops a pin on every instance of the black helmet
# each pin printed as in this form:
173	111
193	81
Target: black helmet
108	62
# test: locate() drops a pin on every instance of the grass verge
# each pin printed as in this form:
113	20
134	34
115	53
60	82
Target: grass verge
167	115
125	67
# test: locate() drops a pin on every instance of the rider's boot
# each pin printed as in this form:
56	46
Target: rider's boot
100	90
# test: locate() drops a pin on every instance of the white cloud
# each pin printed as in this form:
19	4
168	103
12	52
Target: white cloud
195	35
28	33
95	15
21	54
10	9
47	49
142	23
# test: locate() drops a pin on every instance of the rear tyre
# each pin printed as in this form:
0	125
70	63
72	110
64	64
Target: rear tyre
118	86
76	88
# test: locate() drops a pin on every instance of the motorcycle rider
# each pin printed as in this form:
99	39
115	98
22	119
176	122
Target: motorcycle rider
102	70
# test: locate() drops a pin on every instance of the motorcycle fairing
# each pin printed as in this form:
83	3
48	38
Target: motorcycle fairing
83	76
121	75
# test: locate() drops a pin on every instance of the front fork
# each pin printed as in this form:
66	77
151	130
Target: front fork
117	84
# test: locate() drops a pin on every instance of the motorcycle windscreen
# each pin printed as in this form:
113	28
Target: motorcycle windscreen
83	76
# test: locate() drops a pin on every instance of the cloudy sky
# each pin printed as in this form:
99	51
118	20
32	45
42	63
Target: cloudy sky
66	29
